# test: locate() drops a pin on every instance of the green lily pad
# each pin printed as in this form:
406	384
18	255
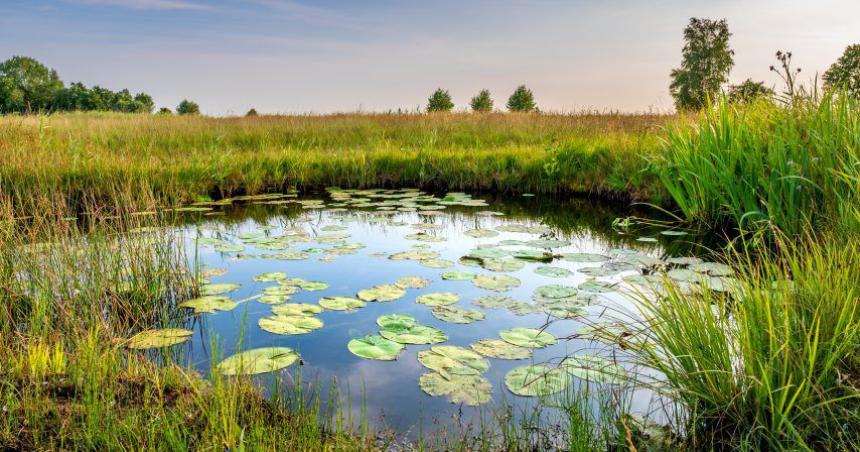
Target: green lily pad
497	348
383	292
528	337
290	324
595	286
396	321
493	301
712	268
271	276
292	255
523	308
593	368
688	260
569	307
470	390
303	284
230	248
159	338
683	274
455	314
341	303
450	359
422	237
458	276
274	299
436	263
257	361
208	304
415	255
375	347
292	309
416	334
502	265
437	298
532	255
553	292
548	243
584	257
480	233
553	272
498	283
218	289
212	272
412	282
281	290
488	252
537	380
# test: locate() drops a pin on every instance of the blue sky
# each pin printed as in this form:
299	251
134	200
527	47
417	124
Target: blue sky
337	55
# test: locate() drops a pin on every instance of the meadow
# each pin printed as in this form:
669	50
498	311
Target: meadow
772	365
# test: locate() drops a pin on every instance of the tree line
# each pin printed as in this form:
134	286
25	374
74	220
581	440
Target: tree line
521	101
707	60
27	86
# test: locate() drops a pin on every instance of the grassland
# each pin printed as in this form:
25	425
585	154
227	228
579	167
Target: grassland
774	367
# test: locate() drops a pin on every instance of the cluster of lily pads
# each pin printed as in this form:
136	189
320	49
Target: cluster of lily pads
453	371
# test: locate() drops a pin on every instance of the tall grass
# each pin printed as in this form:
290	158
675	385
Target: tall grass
775	364
767	166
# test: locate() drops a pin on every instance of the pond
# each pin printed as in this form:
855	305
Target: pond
422	307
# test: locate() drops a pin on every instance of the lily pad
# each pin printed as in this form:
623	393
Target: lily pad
274	299
341	303
437	298
532	255
208	304
412	282
584	257
375	347
218	289
458	276
497	348
415	255
502	265
290	324
436	263
383	292
537	380
553	292
528	337
712	268
593	368
271	276
416	334
230	248
595	286
159	338
455	314
471	390
498	283
396	321
280	290
292	309
257	361
493	301
450	359
553	272
310	286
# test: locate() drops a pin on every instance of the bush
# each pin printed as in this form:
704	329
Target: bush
251	112
482	102
749	91
440	100
845	72
164	111
522	100
186	107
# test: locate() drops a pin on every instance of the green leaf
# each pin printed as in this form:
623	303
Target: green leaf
290	324
416	334
498	283
375	347
159	338
208	304
537	380
257	361
341	303
455	314
528	337
437	298
383	292
470	390
497	348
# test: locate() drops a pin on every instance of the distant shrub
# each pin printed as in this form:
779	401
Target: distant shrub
251	112
845	72
164	111
482	102
522	100
186	107
440	100
748	91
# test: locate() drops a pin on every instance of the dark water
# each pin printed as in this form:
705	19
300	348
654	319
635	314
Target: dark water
389	390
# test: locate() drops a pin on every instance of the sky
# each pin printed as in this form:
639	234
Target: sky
292	56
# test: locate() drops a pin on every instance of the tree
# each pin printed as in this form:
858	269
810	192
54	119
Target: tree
440	100
251	112
706	62
164	111
845	72
144	102
186	107
522	100
749	91
482	102
27	85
